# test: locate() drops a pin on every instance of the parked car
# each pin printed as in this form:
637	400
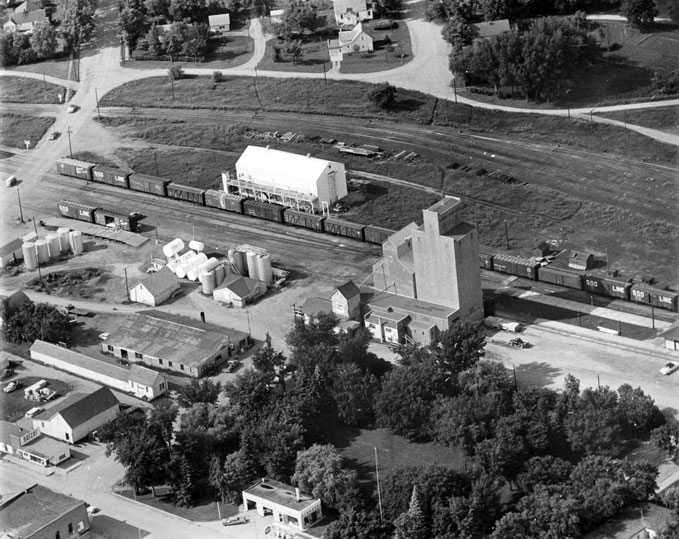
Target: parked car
10	181
518	343
234	520
34	411
72	108
91	510
54	135
12	386
232	365
669	368
104	336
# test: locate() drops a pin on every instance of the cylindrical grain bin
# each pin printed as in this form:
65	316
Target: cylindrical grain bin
185	265
183	270
75	238
251	259
209	265
42	251
220	274
174	247
64	244
264	268
53	245
208	280
236	260
30	255
172	265
197	246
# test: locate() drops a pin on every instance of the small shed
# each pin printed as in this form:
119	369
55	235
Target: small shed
220	24
346	301
10	252
239	290
146	383
671	336
542	249
580	260
287	504
156	289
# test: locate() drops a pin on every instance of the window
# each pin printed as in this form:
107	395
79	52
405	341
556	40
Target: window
67	436
181	366
160	361
57	535
137	355
169	364
70	527
162	385
110	348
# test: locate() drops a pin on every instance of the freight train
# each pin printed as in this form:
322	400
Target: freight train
218	199
502	263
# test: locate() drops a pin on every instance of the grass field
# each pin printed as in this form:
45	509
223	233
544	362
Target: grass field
314	59
16	128
394	52
658	118
203	511
23	90
340	98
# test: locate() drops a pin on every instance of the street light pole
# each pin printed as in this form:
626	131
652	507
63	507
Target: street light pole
21	213
70	149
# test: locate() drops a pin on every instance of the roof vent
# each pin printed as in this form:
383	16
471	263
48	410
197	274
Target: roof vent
308	156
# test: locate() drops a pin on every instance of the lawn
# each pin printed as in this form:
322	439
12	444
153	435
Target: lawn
16	128
24	90
13	406
314	60
393	452
56	67
392	49
293	95
658	118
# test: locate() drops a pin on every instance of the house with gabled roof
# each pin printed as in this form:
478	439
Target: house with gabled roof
156	288
78	415
26	21
220	24
346	301
488	29
146	383
351	12
358	39
238	290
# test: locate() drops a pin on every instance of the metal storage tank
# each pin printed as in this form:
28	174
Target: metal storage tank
197	246
53	245
183	270
172	248
208	280
62	233
30	237
236	260
209	265
264	268
251	259
172	265
42	251
220	274
30	255
75	238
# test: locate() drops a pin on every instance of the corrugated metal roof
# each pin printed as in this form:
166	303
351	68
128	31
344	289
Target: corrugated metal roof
79	360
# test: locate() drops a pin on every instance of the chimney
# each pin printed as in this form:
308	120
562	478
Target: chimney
308	156
202	316
268	147
297	493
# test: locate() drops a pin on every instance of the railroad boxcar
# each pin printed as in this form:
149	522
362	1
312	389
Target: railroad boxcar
527	268
376	234
115	219
303	219
505	264
560	276
486	260
111	176
184	192
263	210
224	201
650	295
75	168
148	184
337	227
605	286
75	210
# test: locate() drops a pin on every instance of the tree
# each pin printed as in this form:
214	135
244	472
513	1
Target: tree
412	524
666	438
196	43
249	391
218	479
175	39
292	48
183	482
357	524
191	10
31	321
593	427
267	359
132	22
320	471
77	23
279	439
388	8
639	414
639	13
157	10
670	8
457	31
382	96
196	391
353	393
459	348
299	17
44	40
155	46
547	470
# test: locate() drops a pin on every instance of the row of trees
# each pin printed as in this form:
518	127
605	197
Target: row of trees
25	321
542	62
180	40
20	49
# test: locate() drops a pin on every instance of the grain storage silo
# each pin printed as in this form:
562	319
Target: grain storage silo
208	265
220	274
42	251
197	246
172	265
30	255
64	244
264	268
251	259
236	261
75	239
208	280
53	245
173	248
183	270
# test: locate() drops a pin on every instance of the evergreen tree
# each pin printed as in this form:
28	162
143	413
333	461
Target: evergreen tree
412	524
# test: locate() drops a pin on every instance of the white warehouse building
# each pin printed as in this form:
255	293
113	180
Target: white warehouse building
300	182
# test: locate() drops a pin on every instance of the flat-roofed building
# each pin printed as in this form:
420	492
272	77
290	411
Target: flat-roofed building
288	505
22	440
38	513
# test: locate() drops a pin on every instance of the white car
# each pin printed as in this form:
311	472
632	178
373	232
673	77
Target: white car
104	336
34	411
11	387
92	510
669	368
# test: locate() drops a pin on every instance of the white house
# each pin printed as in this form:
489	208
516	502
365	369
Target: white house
220	24
298	181
26	21
351	12
239	290
146	383
78	415
288	505
156	288
276	15
485	30
358	39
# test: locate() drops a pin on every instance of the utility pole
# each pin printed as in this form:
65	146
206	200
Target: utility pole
325	77
97	98
155	160
455	89
379	491
653	315
37	258
21	213
247	313
45	84
506	234
127	288
516	383
172	83
70	149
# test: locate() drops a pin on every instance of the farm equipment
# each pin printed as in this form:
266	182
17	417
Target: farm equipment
518	343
